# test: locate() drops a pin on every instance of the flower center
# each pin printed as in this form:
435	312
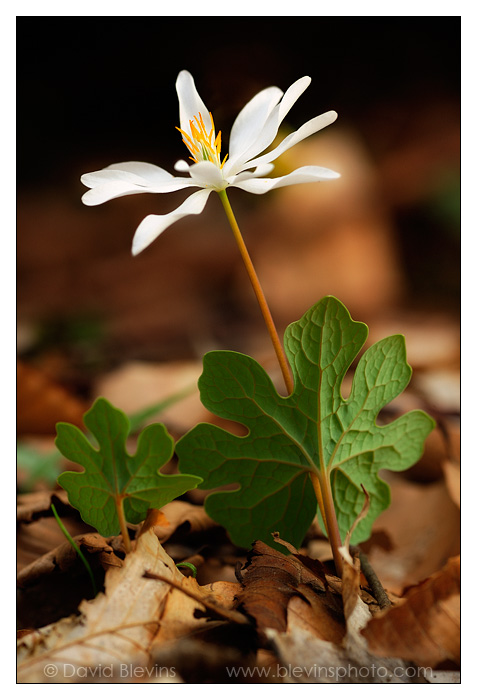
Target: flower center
203	145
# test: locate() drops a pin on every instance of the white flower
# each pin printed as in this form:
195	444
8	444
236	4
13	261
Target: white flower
253	131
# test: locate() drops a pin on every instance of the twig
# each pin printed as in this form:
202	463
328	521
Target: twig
375	584
230	615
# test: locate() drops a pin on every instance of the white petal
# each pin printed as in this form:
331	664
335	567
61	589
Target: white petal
204	174
264	139
309	173
109	183
207	174
154	224
190	102
110	190
309	128
270	128
117	188
250	120
102	177
149	172
291	96
250	174
182	166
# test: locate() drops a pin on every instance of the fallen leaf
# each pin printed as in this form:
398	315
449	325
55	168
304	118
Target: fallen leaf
425	627
41	536
303	658
432	342
312	614
424	526
187	516
124	624
280	592
443	443
224	593
42	402
51	585
137	385
452	477
307	658
31	506
64	558
209	659
441	386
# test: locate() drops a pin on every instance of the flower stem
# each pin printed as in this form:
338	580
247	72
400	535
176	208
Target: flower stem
321	487
257	288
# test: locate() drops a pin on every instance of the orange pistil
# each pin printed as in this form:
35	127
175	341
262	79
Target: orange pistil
203	145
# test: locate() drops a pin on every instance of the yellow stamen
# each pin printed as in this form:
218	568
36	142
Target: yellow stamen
202	145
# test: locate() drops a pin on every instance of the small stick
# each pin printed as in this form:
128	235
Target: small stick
375	584
230	615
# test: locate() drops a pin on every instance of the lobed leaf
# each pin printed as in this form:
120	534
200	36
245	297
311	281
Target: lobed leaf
314	429
111	474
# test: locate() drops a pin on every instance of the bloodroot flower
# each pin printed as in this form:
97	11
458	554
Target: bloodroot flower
253	131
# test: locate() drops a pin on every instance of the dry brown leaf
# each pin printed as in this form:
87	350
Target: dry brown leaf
200	660
424	527
308	658
137	385
64	558
182	514
441	386
42	402
452	477
118	626
441	444
312	614
425	627
350	589
51	585
305	658
31	506
38	538
115	627
224	593
432	342
282	591
451	464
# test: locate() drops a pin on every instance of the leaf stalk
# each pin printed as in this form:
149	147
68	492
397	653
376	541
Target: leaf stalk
331	524
319	497
122	523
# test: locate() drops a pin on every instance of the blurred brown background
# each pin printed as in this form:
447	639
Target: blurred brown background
384	238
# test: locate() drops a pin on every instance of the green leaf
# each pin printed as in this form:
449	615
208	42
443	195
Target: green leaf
111	475
314	429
